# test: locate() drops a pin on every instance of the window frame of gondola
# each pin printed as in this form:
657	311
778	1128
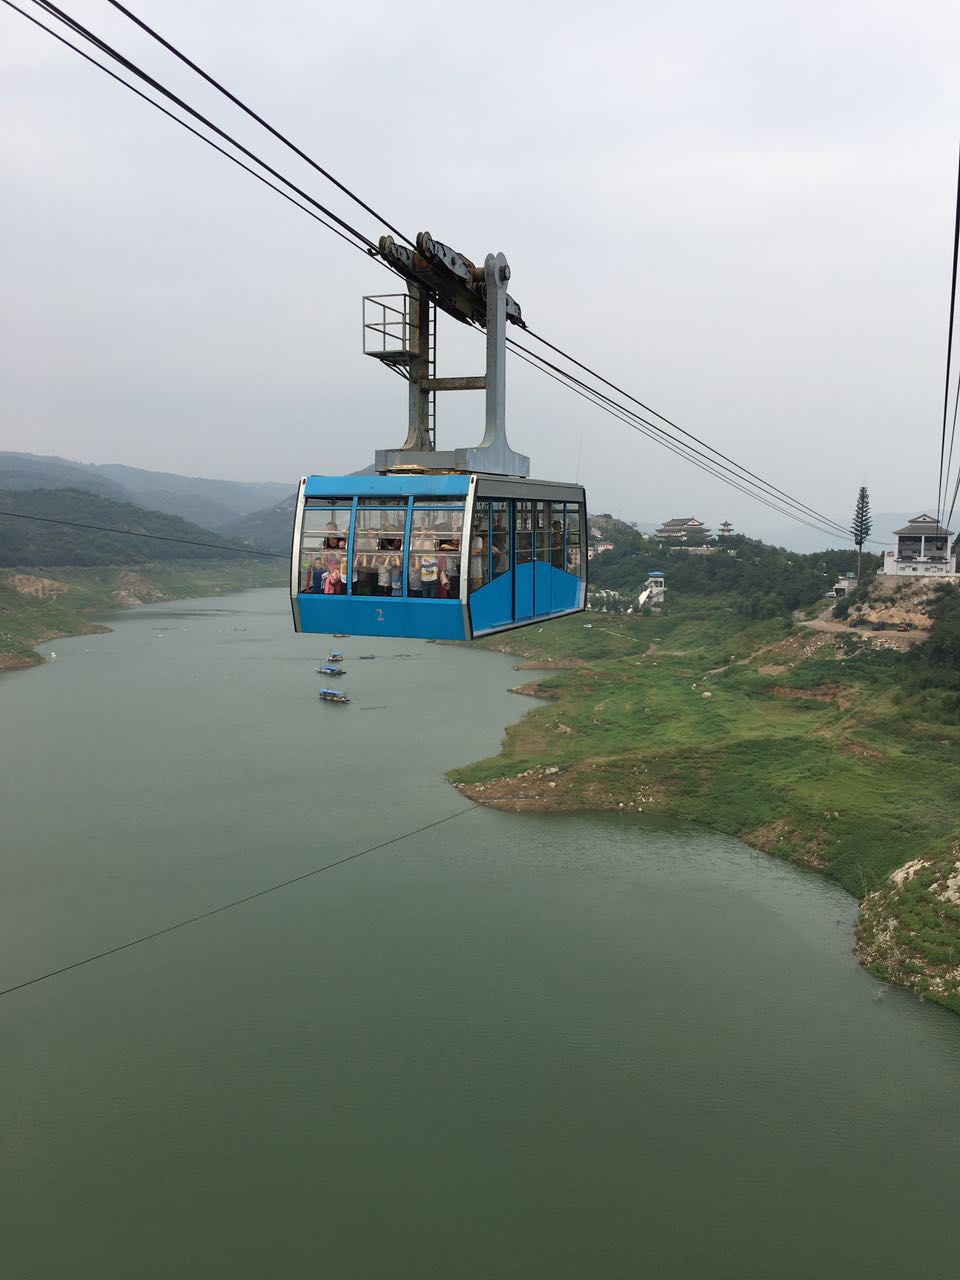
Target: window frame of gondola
325	508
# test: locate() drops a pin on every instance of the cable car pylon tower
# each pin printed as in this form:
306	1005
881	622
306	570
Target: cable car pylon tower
441	544
400	331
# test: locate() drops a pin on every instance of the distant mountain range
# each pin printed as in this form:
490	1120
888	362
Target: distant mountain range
213	504
260	513
191	508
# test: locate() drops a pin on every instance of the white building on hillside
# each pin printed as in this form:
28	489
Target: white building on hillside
923	549
595	548
653	590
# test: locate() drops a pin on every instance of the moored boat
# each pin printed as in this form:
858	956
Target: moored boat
331	671
332	695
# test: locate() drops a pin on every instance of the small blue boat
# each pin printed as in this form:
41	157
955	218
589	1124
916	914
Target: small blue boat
330	671
335	655
332	695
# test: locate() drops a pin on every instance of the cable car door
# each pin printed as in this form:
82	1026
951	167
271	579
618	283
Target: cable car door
542	551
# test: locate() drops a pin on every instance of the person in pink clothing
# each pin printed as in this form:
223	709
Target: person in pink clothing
334	583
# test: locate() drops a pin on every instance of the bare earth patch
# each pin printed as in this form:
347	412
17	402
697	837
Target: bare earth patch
551	789
133	588
785	841
838	693
850	748
536	689
783	654
42	588
17	661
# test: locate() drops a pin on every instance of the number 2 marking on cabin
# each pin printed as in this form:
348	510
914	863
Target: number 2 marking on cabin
379	615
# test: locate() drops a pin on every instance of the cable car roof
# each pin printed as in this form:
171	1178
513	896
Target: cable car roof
398	486
450	485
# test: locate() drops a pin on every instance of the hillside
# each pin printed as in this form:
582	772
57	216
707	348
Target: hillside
28	543
269	530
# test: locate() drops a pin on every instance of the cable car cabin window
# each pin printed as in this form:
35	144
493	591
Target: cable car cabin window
543	542
326	535
500	537
442	515
448	565
436	531
556	535
574	528
480	544
378	546
524	533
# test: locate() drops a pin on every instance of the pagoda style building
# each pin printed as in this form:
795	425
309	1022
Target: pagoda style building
682	529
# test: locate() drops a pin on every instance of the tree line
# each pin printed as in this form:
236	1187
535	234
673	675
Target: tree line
762	581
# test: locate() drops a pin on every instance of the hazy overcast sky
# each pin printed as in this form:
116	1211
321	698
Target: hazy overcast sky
742	212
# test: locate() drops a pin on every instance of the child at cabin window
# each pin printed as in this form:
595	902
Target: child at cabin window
429	574
426	543
315	573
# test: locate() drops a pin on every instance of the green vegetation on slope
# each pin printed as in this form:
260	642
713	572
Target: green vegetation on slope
814	748
909	928
32	543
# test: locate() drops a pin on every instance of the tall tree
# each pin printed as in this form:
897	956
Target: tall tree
862	524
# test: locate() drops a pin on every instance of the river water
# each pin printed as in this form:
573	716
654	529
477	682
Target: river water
507	1046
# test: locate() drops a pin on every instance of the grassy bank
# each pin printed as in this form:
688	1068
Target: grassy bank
803	746
44	604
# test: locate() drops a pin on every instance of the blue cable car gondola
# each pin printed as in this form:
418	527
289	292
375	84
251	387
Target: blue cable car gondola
438	545
436	557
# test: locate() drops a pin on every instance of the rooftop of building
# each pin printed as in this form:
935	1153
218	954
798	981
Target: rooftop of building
924	525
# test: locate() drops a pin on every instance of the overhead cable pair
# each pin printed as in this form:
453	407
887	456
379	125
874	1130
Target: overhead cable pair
946	456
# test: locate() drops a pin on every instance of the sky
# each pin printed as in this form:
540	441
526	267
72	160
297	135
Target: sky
741	213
